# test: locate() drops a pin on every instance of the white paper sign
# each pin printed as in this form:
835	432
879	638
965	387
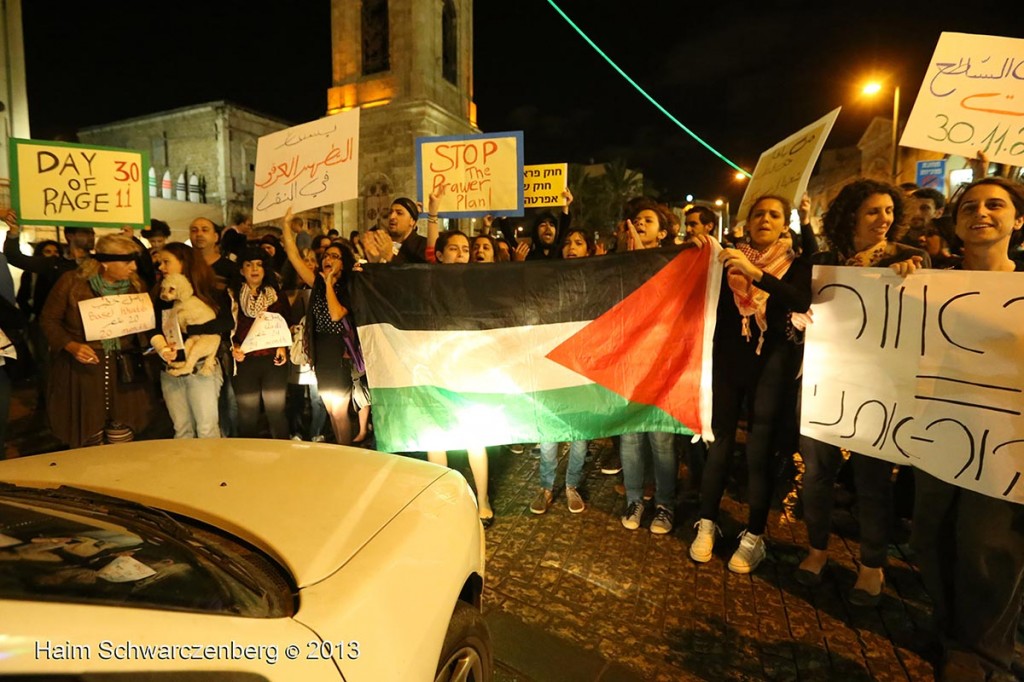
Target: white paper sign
125	569
924	370
108	317
785	168
171	329
269	330
307	166
972	99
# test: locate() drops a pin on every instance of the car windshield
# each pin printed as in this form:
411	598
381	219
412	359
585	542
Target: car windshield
73	545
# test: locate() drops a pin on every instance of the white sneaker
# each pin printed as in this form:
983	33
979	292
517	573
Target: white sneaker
703	545
317	439
749	555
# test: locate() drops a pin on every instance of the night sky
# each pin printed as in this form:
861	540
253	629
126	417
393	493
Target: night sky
741	78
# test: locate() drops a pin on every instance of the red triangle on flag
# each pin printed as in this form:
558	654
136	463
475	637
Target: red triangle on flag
649	347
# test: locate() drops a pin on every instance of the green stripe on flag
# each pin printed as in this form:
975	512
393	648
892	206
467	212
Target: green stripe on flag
405	419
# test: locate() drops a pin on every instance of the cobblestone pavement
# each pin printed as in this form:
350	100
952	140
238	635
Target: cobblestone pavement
639	602
578	597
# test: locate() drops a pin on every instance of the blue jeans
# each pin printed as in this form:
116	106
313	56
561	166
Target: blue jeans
665	469
549	461
192	403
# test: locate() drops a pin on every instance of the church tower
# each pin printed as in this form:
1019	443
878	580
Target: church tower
408	64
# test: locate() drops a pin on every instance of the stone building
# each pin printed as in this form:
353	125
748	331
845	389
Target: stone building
408	64
212	143
870	158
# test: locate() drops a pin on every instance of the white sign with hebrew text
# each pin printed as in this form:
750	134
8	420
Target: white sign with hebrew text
924	370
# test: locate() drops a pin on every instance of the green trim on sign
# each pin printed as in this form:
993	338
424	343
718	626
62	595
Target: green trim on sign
420	418
15	188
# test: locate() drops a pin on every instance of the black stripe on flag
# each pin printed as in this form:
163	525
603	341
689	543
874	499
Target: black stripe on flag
500	295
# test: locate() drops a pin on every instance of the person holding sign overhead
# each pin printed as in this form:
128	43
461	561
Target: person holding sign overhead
859	227
92	397
969	546
334	350
261	371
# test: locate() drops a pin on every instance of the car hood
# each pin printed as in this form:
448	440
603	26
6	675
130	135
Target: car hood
310	506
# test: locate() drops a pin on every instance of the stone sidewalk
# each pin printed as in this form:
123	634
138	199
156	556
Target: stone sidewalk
577	597
585	599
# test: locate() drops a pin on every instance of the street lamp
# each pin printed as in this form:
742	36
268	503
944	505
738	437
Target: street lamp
874	88
726	222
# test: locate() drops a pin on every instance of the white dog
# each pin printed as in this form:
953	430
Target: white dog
190	310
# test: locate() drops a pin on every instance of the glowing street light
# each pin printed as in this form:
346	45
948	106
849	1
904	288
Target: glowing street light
873	88
740	176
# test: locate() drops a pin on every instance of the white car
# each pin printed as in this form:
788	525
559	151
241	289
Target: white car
240	559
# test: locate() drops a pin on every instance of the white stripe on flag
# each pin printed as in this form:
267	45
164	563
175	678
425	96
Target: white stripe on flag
711	295
507	360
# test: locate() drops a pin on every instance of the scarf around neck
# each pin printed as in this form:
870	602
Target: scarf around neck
252	305
870	256
750	300
104	288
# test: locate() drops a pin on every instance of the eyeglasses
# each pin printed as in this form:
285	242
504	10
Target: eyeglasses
332	256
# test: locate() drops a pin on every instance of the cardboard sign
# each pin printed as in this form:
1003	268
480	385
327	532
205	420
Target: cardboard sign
543	185
108	317
307	166
923	370
785	168
972	99
57	183
482	174
269	330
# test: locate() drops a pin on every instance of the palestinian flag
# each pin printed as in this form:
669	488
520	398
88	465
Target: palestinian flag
473	355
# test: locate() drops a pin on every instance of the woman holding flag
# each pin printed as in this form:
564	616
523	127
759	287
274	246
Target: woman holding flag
754	358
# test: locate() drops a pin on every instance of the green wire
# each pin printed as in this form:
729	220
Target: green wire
644	92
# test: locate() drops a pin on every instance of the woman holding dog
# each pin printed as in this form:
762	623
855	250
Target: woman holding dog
192	398
91	399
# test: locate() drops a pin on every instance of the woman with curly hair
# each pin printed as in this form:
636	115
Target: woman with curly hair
858	227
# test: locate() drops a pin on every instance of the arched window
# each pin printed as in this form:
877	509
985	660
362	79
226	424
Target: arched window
376	43
449	43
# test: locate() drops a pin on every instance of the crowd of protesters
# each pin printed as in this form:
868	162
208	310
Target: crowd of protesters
970	547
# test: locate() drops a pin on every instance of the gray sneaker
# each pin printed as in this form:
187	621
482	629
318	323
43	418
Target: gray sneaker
634	512
662	522
572	496
541	503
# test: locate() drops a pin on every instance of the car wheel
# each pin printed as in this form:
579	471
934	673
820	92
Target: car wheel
466	655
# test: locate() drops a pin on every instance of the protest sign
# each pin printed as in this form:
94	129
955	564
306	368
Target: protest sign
932	174
972	99
307	166
269	330
108	317
171	329
785	168
922	370
57	183
481	174
543	185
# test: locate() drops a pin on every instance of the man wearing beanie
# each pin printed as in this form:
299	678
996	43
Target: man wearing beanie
400	243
